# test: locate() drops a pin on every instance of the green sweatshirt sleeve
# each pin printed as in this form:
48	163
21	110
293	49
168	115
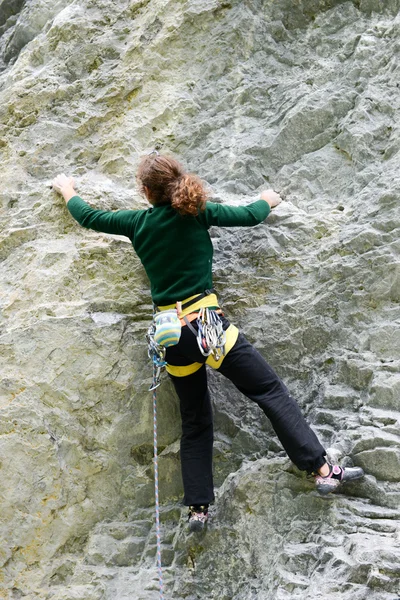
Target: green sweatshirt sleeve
121	222
223	215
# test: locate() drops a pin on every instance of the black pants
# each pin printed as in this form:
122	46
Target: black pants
252	375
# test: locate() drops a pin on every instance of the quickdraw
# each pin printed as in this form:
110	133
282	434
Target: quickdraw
156	353
211	336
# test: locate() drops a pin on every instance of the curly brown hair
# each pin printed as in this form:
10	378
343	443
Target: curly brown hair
167	182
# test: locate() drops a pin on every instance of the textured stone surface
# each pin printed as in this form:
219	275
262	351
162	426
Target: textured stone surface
300	95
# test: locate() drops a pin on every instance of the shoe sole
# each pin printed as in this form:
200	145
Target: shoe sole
325	489
196	527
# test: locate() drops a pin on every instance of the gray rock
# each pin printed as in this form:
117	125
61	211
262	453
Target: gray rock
384	463
300	96
9	8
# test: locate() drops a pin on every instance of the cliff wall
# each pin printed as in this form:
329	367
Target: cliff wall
298	95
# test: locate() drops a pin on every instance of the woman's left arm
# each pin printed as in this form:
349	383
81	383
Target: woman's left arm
120	222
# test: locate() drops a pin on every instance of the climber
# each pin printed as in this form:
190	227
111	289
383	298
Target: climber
171	239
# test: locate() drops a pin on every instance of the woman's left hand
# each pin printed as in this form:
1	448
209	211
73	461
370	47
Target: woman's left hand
273	198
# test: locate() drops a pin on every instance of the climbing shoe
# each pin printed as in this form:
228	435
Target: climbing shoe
198	517
337	476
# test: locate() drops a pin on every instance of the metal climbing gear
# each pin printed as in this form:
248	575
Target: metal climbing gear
211	336
156	353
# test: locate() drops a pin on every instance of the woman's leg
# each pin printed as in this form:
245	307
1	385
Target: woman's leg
197	437
252	375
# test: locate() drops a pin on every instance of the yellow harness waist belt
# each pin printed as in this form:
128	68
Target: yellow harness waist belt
207	302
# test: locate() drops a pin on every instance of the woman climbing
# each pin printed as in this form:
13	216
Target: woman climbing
171	239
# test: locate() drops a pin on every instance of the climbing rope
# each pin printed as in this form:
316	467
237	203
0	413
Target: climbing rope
155	460
211	340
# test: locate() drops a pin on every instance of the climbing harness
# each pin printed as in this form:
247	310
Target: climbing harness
155	460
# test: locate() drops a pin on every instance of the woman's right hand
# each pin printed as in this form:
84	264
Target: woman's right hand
61	182
65	186
273	198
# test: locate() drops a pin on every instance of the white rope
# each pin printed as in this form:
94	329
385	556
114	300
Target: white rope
155	460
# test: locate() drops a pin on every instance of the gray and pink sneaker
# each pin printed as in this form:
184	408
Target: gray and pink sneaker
198	517
337	476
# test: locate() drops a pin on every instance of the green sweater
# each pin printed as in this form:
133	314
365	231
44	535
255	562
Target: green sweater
176	251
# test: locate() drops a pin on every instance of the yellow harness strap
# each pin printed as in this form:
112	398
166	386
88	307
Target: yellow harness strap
231	336
206	302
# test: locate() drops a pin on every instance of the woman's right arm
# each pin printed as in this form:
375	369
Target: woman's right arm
224	215
120	222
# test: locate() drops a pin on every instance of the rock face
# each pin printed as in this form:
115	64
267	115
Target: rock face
299	95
